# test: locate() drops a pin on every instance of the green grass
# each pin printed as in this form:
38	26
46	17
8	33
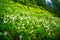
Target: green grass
26	22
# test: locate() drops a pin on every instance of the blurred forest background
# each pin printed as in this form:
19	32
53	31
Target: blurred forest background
50	5
29	19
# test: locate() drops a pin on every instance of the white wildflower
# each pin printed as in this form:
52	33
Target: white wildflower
20	37
5	33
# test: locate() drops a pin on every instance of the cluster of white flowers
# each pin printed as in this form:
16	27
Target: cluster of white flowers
20	37
5	21
3	33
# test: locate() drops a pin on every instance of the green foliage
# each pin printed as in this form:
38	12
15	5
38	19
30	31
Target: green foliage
26	2
22	22
56	4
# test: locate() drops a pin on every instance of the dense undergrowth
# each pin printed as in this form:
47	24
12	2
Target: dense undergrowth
21	22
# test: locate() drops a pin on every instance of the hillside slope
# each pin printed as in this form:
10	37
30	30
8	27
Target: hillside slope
21	22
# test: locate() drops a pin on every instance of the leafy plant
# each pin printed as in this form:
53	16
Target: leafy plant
21	22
